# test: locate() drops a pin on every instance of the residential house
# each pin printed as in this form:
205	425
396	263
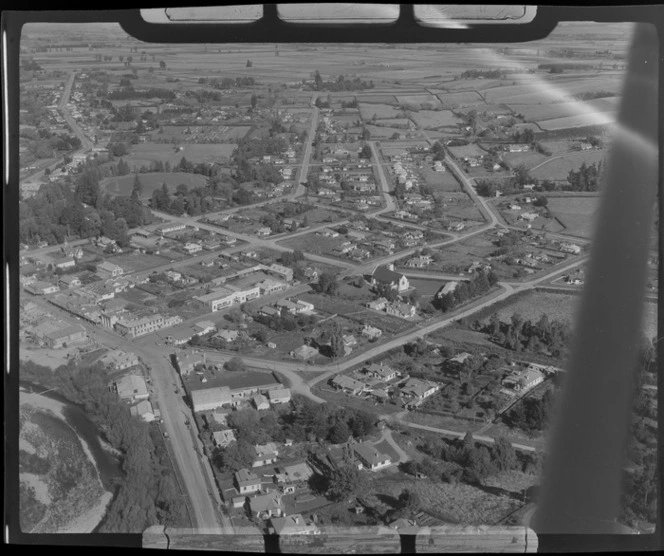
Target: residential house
119	360
292	525
447	288
41	288
530	216
266	506
143	410
280	395
370	458
386	276
304	352
419	262
405	526
378	304
204	327
173	276
107	269
260	402
227	335
381	372
66	262
223	438
180	336
187	362
69	281
246	481
265	453
415	390
523	380
348	384
371	332
570	248
518	148
400	309
191	248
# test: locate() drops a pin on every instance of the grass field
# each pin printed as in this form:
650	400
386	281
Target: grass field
382	132
399	147
430	119
377	99
548	111
559	168
144	154
471	150
123	185
134	262
582	120
381	111
395	122
440	181
425	98
451	100
576	213
529	159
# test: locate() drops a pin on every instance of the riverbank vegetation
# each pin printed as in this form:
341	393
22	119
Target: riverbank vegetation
147	492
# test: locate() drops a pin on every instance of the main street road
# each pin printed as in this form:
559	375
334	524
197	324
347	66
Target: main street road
207	515
86	144
385	186
302	178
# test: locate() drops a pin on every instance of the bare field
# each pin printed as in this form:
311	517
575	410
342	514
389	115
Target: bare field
452	100
559	168
424	98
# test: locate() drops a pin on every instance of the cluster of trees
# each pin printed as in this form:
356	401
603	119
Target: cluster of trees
341	83
486	74
127	93
308	421
58	211
327	283
44	143
147	491
349	103
291	258
531	414
472	462
365	152
254	147
544	336
477	286
586	178
526	135
285	321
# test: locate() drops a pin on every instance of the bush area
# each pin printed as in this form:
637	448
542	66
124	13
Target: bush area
147	493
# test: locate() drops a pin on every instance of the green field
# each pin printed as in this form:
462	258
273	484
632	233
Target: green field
144	154
575	213
559	168
124	184
381	111
430	119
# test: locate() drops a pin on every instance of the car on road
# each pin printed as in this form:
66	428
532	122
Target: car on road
165	434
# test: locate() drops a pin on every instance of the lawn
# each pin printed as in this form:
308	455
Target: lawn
559	168
577	214
419	99
123	185
383	132
550	111
470	150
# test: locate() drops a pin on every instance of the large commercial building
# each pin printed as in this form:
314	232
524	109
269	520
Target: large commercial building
145	325
228	295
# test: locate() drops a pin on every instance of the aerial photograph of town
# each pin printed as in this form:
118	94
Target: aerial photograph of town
272	288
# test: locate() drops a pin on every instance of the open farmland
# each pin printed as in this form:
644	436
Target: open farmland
440	181
203	134
383	132
381	111
376	99
562	306
575	213
559	168
400	147
430	119
467	98
123	185
462	151
419	99
395	122
528	159
550	111
581	120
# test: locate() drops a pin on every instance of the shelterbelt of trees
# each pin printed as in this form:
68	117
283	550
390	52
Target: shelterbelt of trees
147	493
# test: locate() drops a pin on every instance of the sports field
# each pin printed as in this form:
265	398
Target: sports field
124	184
